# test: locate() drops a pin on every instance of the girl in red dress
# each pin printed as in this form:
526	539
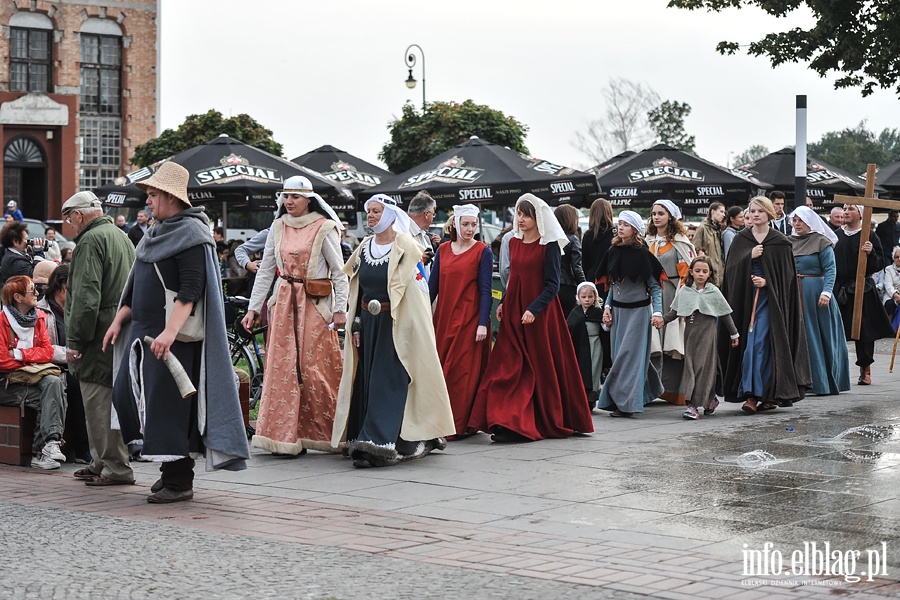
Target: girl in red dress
461	281
532	388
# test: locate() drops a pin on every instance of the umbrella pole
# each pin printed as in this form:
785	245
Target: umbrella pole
225	219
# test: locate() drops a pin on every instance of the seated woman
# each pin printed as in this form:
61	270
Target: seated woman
23	330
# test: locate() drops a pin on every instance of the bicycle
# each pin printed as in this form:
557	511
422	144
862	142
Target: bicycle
244	347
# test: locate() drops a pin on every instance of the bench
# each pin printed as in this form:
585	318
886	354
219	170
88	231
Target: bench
16	435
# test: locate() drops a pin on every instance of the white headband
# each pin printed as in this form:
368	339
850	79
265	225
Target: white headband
392	215
463	210
671	207
635	220
586	284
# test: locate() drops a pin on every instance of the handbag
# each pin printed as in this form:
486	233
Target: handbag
194	329
318	288
31	374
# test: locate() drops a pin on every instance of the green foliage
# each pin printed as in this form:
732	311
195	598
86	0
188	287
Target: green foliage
754	152
667	120
853	149
199	129
418	136
857	41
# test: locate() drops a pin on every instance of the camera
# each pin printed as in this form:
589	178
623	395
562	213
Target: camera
42	248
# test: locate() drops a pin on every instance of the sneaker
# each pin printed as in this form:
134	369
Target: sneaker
51	450
712	407
86	459
43	462
691	413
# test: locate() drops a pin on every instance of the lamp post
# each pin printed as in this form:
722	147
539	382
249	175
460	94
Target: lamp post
410	59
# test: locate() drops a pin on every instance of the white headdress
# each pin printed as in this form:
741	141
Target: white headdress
392	215
635	220
463	210
671	207
301	185
808	216
548	227
589	284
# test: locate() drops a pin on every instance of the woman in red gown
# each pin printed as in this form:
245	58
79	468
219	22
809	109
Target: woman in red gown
461	281
532	388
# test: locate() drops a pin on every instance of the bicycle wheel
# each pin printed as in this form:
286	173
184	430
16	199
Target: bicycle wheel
242	355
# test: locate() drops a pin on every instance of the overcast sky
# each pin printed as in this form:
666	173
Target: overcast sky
332	72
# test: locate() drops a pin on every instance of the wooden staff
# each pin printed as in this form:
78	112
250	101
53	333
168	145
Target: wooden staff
185	387
753	313
894	351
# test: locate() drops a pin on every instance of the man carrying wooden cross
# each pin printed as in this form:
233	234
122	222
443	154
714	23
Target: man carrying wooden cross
858	257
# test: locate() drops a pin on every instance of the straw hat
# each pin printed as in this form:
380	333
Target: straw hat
170	178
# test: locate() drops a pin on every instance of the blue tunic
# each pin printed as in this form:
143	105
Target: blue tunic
828	358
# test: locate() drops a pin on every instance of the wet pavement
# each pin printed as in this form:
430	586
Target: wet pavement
654	505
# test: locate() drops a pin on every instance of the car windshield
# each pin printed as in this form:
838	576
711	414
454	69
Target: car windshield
36	229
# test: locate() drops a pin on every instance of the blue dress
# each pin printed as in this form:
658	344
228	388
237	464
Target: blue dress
756	368
633	380
828	357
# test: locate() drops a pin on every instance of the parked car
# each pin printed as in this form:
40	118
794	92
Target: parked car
37	229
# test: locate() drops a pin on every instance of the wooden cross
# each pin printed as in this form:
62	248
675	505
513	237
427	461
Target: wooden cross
867	202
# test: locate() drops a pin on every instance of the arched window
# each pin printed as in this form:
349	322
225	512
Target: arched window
23	151
30	52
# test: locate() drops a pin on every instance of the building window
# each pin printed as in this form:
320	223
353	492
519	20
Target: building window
29	60
101	74
91	179
101	150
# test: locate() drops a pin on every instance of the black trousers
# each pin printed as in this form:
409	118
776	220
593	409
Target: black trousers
178	475
865	353
76	426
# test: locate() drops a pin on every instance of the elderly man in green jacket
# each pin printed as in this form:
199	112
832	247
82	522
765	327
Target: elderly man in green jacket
97	275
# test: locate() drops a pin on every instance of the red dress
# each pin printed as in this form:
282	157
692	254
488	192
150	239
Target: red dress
532	385
455	324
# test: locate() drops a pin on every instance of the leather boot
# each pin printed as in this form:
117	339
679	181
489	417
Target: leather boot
865	375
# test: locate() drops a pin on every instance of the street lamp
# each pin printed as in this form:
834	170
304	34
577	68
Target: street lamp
410	59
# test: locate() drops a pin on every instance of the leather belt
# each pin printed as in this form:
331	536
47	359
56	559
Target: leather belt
292	279
375	307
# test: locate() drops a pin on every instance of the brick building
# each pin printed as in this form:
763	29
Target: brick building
78	92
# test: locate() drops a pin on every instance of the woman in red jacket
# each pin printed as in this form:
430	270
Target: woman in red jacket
23	332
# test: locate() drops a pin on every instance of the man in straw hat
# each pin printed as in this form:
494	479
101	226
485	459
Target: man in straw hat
97	274
175	278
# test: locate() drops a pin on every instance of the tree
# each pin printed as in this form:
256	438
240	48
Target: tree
199	129
754	152
625	125
856	40
667	120
853	149
421	135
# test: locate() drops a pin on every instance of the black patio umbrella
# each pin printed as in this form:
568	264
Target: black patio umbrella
480	172
337	165
888	177
121	194
596	170
823	181
662	171
227	171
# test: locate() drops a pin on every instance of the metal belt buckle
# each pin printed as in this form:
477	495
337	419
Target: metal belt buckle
374	307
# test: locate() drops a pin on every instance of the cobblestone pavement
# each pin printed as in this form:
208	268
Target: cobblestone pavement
655	506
